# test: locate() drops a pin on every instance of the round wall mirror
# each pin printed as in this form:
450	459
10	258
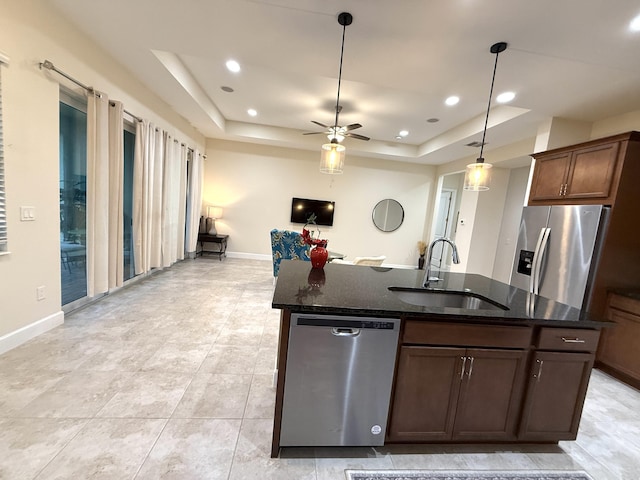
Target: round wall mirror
388	215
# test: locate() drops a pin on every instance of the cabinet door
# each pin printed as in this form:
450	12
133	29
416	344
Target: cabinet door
426	392
592	172
620	346
491	393
556	389
549	177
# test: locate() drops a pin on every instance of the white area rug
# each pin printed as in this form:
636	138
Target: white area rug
463	475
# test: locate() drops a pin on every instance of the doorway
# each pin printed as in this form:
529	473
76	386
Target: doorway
443	227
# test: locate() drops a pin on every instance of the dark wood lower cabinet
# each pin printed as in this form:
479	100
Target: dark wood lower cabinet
426	394
448	393
555	394
491	394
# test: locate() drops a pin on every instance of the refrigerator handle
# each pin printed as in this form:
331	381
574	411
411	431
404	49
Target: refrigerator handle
541	247
533	278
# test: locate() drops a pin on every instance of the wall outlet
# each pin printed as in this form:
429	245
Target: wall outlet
40	293
27	214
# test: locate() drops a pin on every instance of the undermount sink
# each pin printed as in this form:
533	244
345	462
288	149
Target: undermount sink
440	298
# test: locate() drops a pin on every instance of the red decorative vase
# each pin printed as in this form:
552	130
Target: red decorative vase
319	256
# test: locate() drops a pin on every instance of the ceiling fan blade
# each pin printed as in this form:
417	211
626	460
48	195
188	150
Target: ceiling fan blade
355	135
320	124
313	133
353	126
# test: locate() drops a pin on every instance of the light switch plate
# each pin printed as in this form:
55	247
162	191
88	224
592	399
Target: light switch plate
27	214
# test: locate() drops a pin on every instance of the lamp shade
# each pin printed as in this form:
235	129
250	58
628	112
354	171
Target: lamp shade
477	177
332	158
214	212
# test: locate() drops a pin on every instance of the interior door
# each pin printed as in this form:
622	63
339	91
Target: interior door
443	227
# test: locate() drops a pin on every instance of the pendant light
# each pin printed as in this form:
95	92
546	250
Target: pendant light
478	175
332	154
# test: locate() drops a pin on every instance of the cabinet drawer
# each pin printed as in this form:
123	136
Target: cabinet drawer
438	333
568	339
625	304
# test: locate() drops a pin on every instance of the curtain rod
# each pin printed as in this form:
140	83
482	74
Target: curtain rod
50	66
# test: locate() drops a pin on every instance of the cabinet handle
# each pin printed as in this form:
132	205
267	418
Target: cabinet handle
464	361
470	368
539	374
561	188
572	340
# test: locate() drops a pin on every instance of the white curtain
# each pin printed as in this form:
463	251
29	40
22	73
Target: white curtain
194	202
168	223
139	198
159	199
182	201
156	211
97	194
116	195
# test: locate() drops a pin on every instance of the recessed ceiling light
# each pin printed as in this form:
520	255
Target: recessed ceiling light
403	133
233	66
398	137
433	120
505	97
252	112
226	89
452	100
634	26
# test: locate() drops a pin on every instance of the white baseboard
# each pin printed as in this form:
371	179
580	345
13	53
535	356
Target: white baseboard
250	256
24	334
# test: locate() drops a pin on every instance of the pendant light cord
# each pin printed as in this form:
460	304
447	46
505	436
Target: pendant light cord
335	127
486	119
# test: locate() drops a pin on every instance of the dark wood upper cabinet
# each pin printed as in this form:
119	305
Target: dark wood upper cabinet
587	173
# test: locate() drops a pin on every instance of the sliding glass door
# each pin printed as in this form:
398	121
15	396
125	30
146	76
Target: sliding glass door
129	148
73	197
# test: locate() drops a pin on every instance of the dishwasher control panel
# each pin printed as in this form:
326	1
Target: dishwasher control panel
369	323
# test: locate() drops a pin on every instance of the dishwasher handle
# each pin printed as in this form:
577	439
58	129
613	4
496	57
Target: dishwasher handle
345	332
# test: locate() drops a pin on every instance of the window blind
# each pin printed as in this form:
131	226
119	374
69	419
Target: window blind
3	204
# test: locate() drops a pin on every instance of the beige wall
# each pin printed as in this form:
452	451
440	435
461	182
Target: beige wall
511	215
255	185
30	32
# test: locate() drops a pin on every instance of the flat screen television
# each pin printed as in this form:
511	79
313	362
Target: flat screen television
303	208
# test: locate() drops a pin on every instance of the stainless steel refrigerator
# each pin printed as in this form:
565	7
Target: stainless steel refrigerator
558	251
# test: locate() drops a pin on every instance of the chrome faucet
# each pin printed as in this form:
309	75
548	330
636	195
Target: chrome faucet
456	259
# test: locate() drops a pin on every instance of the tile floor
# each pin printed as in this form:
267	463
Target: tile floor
170	378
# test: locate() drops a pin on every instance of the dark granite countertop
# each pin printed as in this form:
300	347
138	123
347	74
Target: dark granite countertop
359	290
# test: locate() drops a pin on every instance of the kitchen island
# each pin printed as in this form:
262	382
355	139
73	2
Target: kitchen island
495	365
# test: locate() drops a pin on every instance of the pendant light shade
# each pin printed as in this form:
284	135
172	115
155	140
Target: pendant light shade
477	177
332	154
332	158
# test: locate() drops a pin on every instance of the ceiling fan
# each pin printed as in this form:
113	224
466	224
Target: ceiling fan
337	133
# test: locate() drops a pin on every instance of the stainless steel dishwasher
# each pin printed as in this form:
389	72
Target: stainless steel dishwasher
338	380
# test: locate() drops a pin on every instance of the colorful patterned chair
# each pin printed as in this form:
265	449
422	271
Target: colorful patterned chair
287	245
